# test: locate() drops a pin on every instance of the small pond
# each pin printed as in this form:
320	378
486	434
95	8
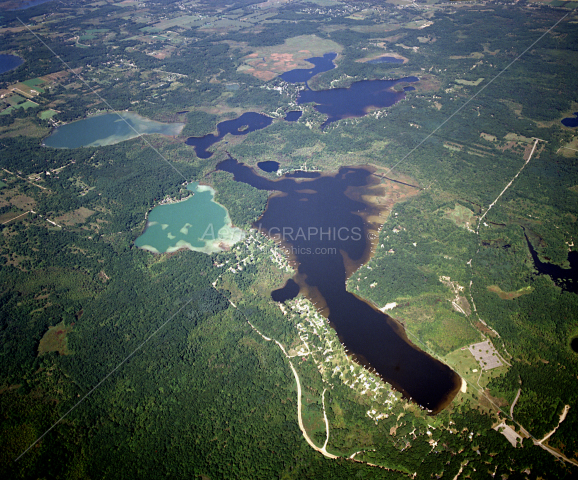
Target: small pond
571	121
268	166
293	116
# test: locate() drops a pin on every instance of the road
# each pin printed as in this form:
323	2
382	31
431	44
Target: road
509	184
321	450
514	403
562	417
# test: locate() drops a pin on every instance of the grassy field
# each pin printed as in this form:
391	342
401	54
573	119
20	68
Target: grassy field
431	319
54	340
462	216
471	83
510	295
46	114
463	362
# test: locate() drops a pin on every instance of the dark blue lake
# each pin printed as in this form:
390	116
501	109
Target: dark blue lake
333	212
339	103
9	62
293	116
303	75
571	122
269	166
386	60
565	278
336	103
408	89
246	123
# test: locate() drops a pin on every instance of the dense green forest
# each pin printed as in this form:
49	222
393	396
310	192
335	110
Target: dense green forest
149	365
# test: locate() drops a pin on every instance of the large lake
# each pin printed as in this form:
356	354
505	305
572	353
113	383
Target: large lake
9	62
197	223
337	103
108	129
356	100
327	213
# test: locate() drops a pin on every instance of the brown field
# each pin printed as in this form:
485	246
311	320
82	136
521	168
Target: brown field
7	217
268	62
25	90
53	77
75	217
54	340
428	83
509	295
23	201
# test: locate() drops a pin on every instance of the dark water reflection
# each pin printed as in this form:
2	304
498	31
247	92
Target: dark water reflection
303	75
9	62
293	116
246	123
269	166
566	278
339	103
325	214
571	121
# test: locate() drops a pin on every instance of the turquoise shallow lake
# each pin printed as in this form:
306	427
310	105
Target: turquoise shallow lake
108	129
197	223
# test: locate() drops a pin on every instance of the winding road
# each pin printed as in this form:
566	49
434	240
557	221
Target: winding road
321	450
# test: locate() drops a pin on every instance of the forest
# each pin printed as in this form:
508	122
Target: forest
185	386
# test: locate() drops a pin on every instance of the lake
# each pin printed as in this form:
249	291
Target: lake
571	121
356	100
336	103
565	278
9	62
293	116
303	75
108	129
197	223
268	166
246	123
327	213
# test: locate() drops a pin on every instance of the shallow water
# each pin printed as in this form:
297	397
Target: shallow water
108	129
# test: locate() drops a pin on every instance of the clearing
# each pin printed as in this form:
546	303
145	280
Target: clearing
509	295
486	354
54	340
